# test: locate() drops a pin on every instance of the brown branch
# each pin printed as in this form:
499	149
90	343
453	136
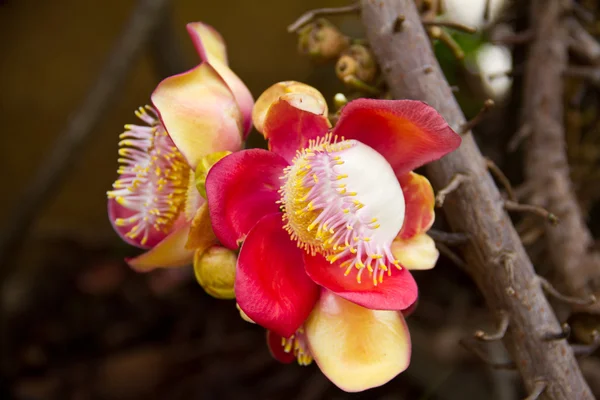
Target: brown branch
312	14
546	164
476	208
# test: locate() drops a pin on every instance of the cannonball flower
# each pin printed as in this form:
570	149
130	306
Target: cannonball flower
196	118
330	221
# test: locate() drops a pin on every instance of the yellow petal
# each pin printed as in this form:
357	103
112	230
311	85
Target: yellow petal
199	112
204	166
417	252
201	235
243	314
315	100
208	42
357	348
215	271
170	252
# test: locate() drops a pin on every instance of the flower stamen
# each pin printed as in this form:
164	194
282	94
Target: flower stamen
342	199
154	178
297	345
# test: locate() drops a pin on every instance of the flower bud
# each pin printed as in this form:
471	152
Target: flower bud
215	271
357	62
204	165
322	41
274	92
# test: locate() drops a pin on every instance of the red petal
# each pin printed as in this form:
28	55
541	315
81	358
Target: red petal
420	203
290	128
276	349
407	133
396	292
271	286
241	189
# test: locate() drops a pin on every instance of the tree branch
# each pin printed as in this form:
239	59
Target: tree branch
412	71
546	163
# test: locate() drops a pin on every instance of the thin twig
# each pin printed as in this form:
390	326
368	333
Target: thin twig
564	333
523	133
497	172
499	333
487	106
487	10
522	37
510	205
449	238
584	350
452	256
473	348
538	389
454	183
551	290
312	14
449	24
582	43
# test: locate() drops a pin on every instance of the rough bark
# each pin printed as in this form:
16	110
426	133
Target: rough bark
495	256
546	163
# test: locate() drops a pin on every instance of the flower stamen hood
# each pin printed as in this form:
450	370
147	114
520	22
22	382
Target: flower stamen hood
343	200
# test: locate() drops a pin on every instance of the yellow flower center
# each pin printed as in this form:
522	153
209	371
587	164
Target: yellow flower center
342	199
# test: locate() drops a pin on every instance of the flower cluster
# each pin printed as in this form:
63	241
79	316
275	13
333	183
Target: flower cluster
328	222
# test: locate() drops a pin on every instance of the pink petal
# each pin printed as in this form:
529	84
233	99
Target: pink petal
276	349
292	121
241	189
211	48
396	292
357	348
271	286
170	252
407	133
419	201
115	210
199	112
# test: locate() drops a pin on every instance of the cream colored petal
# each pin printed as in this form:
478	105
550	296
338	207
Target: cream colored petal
315	102
357	348
170	252
416	253
199	112
208	42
